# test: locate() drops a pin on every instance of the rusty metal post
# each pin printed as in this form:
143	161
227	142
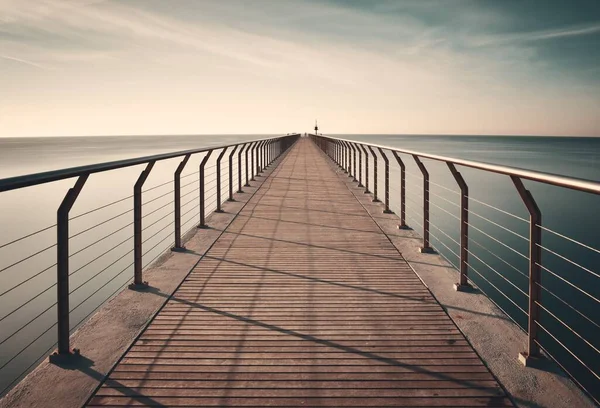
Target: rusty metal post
202	192
349	158
177	192
387	182
535	262
344	156
366	169
359	165
402	191
231	173
375	198
353	161
463	284
137	228
218	186
240	168
62	265
259	157
426	245
249	147
252	164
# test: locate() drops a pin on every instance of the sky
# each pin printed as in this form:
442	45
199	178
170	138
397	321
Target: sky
132	67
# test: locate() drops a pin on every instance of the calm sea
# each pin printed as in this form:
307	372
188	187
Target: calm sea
498	261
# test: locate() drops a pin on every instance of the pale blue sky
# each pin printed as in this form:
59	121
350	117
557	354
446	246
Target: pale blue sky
93	67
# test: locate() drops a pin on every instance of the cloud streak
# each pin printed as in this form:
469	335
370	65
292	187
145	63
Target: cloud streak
395	65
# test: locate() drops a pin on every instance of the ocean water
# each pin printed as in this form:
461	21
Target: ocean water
498	239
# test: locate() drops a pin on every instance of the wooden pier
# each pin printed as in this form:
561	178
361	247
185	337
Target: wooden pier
302	302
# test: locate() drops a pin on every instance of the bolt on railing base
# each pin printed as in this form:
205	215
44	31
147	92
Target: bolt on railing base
390	212
467	287
179	249
60	359
530	361
426	250
139	286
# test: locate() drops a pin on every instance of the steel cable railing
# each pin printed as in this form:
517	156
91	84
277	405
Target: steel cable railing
491	241
99	271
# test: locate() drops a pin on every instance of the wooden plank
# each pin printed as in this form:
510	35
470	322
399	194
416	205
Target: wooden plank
302	301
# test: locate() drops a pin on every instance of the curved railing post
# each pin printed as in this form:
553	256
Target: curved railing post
218	186
535	262
353	161
366	169
177	192
231	173
375	198
137	228
402	191
62	266
253	164
244	145
270	152
249	147
344	156
426	245
360	184
387	182
259	157
202	182
349	158
463	283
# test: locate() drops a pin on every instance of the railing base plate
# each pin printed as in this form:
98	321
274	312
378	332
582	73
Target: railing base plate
390	212
139	286
530	361
241	191
404	227
366	192
64	359
203	226
219	211
463	288
179	249
376	200
426	250
230	200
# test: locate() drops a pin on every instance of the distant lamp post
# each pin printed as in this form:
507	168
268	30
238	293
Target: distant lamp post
316	128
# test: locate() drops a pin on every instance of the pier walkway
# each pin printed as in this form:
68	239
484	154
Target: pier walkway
302	302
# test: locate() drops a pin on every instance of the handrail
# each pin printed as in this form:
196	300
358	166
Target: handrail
574	183
536	304
152	234
13	183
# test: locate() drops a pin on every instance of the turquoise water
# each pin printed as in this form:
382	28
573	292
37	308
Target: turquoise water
502	277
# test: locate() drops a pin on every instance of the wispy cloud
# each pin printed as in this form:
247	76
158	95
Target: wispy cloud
22	61
411	60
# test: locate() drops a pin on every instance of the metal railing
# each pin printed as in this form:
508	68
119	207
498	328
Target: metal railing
111	247
553	321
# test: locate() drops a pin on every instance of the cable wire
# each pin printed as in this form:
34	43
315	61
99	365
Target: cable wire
100	256
498	209
26	280
27	258
27	236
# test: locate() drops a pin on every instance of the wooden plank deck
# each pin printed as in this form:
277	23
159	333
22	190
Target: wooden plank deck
302	302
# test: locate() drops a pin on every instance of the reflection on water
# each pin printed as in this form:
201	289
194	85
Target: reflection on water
102	255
